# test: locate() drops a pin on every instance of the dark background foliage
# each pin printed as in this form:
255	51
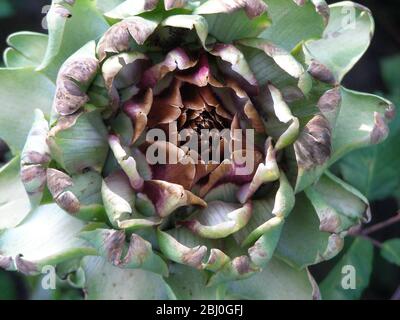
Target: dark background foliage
17	15
367	76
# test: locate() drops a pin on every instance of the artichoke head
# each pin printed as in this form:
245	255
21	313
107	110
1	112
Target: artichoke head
181	149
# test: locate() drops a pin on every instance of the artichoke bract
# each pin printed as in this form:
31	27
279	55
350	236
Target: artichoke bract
181	149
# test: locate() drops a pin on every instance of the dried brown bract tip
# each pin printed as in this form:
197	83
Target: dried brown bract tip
72	83
62	11
58	183
173	4
5	262
24	266
330	101
117	39
195	256
380	130
321	72
314	146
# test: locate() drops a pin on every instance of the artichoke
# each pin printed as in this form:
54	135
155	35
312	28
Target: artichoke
105	116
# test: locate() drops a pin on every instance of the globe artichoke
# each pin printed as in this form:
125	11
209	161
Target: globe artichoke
108	185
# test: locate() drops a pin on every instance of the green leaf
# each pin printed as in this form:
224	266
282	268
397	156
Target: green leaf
391	251
260	220
126	161
262	251
272	64
47	237
374	170
291	23
224	192
118	197
189	283
238	268
22	90
198	23
390	74
219	219
69	29
106	282
35	158
119	201
6	9
87	189
349	132
14	202
278	281
174	245
27	49
8	285
338	205
129	8
302	243
80	142
267	220
358	258
138	254
227	28
107	5
71	273
13	59
345	39
281	57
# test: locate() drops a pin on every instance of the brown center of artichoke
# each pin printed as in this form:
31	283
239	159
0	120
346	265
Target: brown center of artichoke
194	96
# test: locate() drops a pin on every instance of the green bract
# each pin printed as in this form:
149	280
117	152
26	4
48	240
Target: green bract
81	194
